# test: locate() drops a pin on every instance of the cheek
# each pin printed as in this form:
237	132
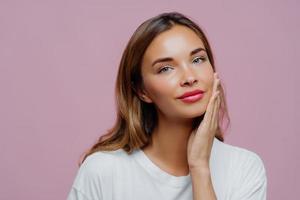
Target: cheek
159	88
210	81
210	88
207	78
206	75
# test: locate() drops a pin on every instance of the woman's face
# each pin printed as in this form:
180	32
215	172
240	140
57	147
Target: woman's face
185	70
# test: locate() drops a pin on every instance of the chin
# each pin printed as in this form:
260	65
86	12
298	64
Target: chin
198	114
193	113
187	111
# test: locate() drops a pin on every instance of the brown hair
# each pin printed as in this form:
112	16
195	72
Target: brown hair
135	118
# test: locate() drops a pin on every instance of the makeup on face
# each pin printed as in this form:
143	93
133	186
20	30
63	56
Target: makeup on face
191	97
173	59
169	59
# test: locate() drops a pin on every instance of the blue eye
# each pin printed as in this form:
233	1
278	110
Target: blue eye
199	58
163	69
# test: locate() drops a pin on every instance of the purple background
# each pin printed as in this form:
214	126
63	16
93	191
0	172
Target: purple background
58	64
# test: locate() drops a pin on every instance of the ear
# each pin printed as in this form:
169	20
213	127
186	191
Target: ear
143	96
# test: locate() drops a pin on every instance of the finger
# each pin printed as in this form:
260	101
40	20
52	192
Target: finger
216	82
214	89
215	117
219	106
214	96
215	112
213	120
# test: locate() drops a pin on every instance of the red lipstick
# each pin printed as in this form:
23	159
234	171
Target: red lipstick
192	96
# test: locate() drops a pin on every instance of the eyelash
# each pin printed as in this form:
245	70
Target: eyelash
203	58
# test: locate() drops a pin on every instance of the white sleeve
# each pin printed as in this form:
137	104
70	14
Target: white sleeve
90	178
253	180
76	195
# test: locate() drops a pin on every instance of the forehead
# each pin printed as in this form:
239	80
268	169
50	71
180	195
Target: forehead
177	41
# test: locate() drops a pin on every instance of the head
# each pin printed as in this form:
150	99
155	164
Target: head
175	62
146	89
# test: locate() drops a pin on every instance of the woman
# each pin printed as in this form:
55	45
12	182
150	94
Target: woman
167	142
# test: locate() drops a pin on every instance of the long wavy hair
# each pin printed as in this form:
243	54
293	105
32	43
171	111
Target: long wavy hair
136	119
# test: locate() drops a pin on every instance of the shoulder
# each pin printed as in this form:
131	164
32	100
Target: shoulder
95	173
241	161
246	158
98	167
102	162
251	165
239	156
246	168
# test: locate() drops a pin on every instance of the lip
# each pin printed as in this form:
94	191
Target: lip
191	93
191	97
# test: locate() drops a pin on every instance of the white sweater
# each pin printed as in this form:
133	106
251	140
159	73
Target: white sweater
237	174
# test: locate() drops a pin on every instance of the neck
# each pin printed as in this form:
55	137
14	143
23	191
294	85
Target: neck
169	145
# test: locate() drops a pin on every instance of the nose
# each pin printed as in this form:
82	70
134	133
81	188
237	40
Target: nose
189	77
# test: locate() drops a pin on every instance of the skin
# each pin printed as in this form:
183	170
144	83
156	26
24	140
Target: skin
188	152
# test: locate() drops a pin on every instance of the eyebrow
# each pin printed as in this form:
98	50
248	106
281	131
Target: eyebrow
171	59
